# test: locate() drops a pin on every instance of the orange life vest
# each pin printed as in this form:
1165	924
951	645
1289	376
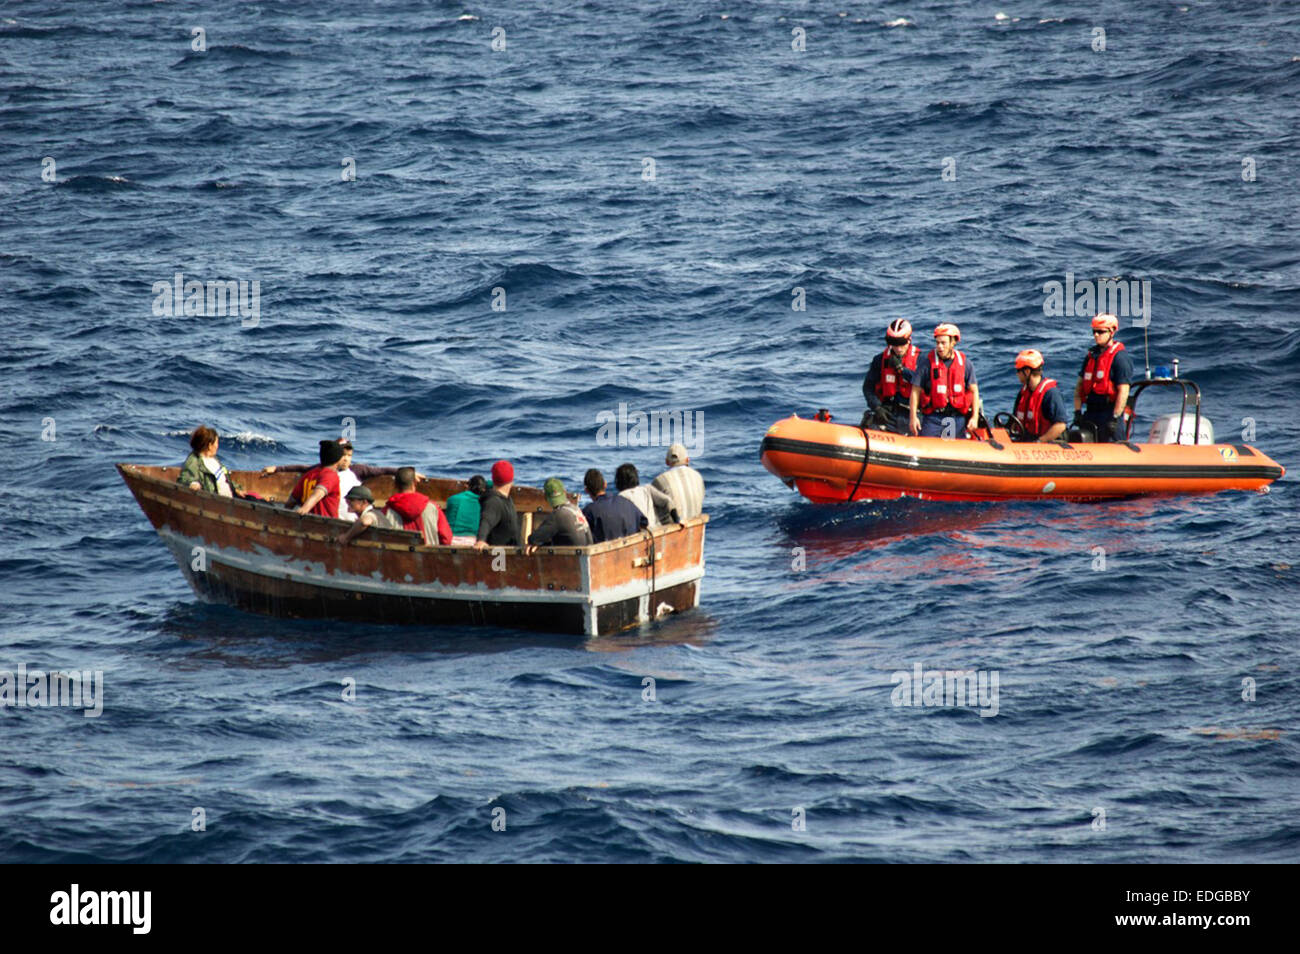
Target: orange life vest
947	385
892	383
1096	371
1029	406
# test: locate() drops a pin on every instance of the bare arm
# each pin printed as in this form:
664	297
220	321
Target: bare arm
316	497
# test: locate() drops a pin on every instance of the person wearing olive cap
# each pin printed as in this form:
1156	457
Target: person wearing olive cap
498	521
361	502
564	526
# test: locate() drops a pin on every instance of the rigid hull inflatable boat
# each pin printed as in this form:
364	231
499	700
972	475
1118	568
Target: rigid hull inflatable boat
831	463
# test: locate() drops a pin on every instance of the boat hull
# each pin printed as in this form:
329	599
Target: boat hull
263	558
830	463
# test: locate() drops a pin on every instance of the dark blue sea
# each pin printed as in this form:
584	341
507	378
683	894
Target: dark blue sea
650	185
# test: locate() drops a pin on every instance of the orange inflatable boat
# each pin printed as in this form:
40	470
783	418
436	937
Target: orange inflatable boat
831	463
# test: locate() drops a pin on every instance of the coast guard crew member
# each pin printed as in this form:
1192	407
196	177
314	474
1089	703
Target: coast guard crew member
1040	409
945	390
1102	391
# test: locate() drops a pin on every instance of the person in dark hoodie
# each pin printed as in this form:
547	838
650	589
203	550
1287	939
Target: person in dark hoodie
415	511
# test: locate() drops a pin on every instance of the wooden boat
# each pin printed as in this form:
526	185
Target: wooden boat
263	557
832	463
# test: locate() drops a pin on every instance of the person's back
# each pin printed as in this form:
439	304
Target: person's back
498	522
565	525
610	515
465	508
653	503
416	511
682	483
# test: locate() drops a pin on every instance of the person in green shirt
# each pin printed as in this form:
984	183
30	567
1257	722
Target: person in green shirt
463	511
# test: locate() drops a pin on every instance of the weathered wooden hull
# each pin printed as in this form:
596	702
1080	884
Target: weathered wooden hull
267	559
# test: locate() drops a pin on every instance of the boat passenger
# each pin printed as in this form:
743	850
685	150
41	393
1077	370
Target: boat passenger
412	510
564	526
498	522
682	483
610	515
888	384
1040	408
463	510
350	476
202	470
650	500
1101	395
364	515
317	491
945	391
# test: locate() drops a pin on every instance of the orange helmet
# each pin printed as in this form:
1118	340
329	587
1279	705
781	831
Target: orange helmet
949	329
899	330
1105	322
1029	358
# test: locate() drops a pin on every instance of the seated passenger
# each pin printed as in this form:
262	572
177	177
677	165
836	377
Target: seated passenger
351	475
202	470
945	390
682	483
317	491
463	511
414	511
650	500
564	526
610	516
498	522
1040	408
888	384
364	515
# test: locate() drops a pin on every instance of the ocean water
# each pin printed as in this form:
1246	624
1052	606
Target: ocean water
649	185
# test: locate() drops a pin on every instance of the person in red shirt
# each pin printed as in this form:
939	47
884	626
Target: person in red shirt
317	491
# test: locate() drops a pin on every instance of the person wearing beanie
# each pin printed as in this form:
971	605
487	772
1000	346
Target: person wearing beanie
317	491
498	522
682	482
361	502
564	526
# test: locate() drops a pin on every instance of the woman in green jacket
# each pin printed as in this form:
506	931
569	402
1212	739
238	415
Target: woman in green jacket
202	470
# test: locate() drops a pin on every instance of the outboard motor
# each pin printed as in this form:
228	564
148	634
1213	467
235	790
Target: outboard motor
1166	429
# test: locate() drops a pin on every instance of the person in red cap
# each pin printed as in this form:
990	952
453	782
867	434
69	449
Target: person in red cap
498	521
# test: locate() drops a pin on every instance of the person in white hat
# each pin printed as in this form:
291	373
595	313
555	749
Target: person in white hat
682	483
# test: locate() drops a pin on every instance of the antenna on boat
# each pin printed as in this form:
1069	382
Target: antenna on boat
1146	346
